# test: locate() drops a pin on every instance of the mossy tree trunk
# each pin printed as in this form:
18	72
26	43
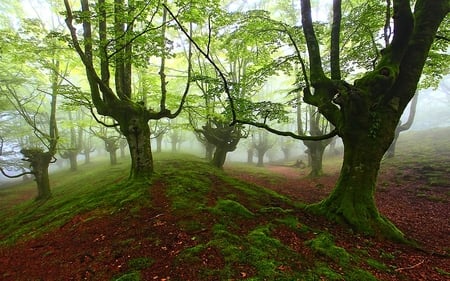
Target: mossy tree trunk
223	136
159	140
137	133
39	163
315	156
111	147
219	157
352	200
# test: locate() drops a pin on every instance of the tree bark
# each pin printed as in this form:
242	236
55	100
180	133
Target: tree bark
261	153
159	140
403	127
73	160
39	162
250	152
137	132
352	200
315	153
219	157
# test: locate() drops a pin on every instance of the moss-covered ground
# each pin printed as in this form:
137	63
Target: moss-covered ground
195	222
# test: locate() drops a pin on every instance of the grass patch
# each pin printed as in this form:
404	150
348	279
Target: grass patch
92	187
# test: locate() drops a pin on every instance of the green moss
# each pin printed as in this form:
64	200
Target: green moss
327	273
129	276
279	210
442	271
376	264
140	263
190	255
293	223
324	245
231	209
358	275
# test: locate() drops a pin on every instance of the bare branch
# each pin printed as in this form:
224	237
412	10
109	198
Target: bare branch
206	55
288	133
15	176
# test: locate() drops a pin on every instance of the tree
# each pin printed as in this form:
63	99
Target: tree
367	112
128	35
262	143
32	78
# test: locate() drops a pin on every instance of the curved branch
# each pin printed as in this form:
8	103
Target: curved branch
100	121
15	176
412	113
188	83
288	133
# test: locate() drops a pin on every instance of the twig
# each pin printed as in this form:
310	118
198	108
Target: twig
410	267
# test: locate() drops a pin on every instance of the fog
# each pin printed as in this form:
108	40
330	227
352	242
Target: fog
432	111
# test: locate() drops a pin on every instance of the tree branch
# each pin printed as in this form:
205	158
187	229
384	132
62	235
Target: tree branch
316	71
15	176
206	55
288	133
335	38
188	83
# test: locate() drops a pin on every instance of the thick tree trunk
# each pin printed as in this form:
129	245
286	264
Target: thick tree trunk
159	140
219	157
315	156
42	181
174	145
73	160
111	147
113	157
87	155
250	156
137	133
39	162
316	150
209	151
352	200
261	153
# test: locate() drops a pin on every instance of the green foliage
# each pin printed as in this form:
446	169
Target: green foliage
324	245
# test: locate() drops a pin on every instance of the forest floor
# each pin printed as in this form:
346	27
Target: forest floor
218	226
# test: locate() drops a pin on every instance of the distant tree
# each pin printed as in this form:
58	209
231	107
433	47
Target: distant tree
262	143
111	139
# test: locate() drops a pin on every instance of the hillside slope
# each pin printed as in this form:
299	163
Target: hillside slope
193	222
